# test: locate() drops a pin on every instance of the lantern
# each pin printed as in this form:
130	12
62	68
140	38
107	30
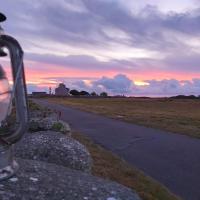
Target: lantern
13	104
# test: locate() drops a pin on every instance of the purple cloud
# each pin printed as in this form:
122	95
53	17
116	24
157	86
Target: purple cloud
81	34
122	85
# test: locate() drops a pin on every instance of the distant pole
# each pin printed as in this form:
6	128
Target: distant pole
50	91
59	115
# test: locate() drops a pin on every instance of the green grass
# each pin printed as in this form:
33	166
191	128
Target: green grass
109	166
178	116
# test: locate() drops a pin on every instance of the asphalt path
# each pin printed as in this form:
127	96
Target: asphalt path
172	159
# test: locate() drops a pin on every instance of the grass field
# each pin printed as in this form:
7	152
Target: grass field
174	115
109	166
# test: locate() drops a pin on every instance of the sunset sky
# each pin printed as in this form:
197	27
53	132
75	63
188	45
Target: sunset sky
141	47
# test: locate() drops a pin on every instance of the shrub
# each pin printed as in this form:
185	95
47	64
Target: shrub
57	126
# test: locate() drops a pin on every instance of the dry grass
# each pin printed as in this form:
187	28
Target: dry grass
179	116
109	166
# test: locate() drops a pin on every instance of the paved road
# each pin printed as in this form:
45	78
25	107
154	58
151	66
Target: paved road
172	159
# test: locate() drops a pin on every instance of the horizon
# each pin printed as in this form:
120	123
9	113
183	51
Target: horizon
53	93
120	47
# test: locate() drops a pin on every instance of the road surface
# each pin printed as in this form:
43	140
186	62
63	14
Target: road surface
172	159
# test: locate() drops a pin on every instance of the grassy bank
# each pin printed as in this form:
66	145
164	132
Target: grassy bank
179	116
109	166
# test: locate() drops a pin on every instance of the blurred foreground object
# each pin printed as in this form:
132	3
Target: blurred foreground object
13	104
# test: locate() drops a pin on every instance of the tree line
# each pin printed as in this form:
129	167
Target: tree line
85	93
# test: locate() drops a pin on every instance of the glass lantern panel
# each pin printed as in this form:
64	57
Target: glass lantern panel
5	98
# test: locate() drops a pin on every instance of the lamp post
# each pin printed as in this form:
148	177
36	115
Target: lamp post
17	97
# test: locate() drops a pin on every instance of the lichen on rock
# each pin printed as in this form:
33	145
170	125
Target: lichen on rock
49	123
41	181
54	147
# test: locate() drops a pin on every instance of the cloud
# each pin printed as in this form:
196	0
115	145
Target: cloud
185	62
35	88
119	84
122	85
104	36
87	63
170	87
88	23
163	87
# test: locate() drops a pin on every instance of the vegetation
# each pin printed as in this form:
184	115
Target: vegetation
94	94
174	115
74	92
185	97
84	93
103	94
33	106
109	166
57	126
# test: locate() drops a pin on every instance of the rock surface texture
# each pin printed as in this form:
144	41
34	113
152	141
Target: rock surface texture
54	166
43	181
54	147
49	123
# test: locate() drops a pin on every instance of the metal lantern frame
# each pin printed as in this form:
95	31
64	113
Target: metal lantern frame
19	94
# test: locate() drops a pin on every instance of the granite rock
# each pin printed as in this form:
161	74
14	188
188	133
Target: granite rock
43	181
54	147
49	123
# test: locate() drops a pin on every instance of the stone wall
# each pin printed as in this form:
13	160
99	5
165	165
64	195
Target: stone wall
54	166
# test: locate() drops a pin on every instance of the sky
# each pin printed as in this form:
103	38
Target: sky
123	47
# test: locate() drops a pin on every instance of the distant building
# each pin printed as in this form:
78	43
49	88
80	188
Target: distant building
39	94
61	90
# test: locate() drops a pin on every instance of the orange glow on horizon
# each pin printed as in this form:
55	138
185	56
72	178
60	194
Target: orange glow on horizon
46	75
